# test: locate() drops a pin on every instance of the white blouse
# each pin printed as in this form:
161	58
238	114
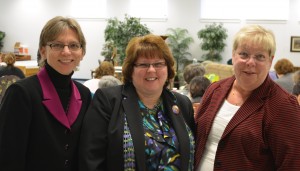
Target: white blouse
220	122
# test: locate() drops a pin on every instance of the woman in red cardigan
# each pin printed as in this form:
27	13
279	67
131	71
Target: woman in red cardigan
247	122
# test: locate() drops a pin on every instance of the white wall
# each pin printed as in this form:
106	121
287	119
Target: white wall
22	20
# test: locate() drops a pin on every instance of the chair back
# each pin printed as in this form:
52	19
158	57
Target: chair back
5	82
195	107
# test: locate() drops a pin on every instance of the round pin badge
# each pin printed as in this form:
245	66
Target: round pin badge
175	109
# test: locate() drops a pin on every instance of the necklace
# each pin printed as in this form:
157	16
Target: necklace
234	99
154	110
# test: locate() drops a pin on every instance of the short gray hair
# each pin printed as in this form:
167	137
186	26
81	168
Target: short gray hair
108	81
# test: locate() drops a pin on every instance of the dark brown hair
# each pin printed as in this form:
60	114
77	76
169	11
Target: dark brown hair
149	46
198	85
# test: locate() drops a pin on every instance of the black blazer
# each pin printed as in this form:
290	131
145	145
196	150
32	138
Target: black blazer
101	144
31	138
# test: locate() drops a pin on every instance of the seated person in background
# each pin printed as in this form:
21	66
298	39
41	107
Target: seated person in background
105	68
39	59
189	72
229	62
273	75
296	87
197	88
296	77
108	81
296	91
10	69
1	56
285	70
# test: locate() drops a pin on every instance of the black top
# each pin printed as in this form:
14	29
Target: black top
31	138
62	84
101	147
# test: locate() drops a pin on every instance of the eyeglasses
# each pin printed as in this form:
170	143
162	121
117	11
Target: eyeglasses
258	57
157	65
60	46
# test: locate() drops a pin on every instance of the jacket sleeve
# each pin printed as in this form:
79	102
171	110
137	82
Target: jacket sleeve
188	113
283	134
94	136
15	118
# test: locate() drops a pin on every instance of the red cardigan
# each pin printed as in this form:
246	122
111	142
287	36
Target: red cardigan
263	135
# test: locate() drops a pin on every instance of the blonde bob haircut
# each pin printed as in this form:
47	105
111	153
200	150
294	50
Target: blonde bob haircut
149	46
255	35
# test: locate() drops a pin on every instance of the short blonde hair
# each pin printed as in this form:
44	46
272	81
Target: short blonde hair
256	34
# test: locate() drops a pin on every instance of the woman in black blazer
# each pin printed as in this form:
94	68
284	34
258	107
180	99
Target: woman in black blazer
41	116
140	125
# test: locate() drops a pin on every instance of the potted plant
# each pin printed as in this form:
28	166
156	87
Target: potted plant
212	40
2	35
108	50
118	33
179	41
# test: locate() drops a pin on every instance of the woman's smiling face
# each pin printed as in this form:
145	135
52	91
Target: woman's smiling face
151	80
251	65
63	61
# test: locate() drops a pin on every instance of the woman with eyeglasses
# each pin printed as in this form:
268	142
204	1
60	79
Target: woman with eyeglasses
247	121
140	125
41	116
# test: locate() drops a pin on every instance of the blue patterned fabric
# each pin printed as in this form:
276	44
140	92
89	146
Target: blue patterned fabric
161	144
192	140
192	148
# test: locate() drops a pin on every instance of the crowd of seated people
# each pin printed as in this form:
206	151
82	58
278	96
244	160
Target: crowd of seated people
296	87
106	68
189	72
197	88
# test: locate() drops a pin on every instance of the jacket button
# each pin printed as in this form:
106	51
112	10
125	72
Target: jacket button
218	163
67	131
66	147
221	144
67	163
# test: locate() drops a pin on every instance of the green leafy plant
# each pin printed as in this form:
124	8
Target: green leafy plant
118	33
212	40
108	50
179	41
2	35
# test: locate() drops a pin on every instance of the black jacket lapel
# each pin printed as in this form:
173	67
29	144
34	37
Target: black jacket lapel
134	119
